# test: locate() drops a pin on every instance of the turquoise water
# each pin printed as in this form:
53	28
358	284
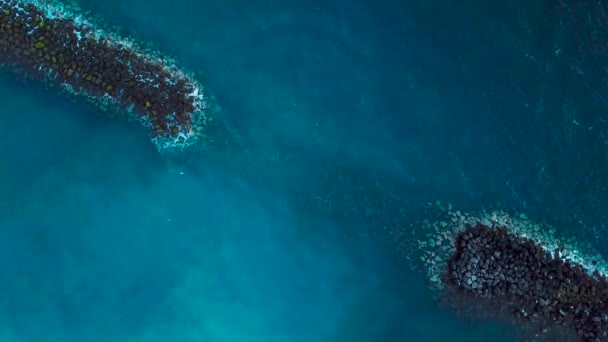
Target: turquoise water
350	115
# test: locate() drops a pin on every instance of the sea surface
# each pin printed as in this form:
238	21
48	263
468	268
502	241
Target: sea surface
345	118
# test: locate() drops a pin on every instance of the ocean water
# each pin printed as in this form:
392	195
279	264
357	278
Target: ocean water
345	118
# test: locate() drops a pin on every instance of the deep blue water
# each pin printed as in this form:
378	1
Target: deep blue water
352	115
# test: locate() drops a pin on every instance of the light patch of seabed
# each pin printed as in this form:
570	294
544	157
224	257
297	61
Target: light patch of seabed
8	335
263	286
245	277
431	252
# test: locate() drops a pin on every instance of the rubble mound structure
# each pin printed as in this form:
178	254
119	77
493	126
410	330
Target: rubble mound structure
50	42
493	265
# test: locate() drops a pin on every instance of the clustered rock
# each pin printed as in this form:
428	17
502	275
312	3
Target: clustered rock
513	271
35	44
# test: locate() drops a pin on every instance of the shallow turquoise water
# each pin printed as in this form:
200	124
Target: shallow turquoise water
351	114
104	239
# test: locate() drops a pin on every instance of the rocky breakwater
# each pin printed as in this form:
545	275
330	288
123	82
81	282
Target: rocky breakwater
52	43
